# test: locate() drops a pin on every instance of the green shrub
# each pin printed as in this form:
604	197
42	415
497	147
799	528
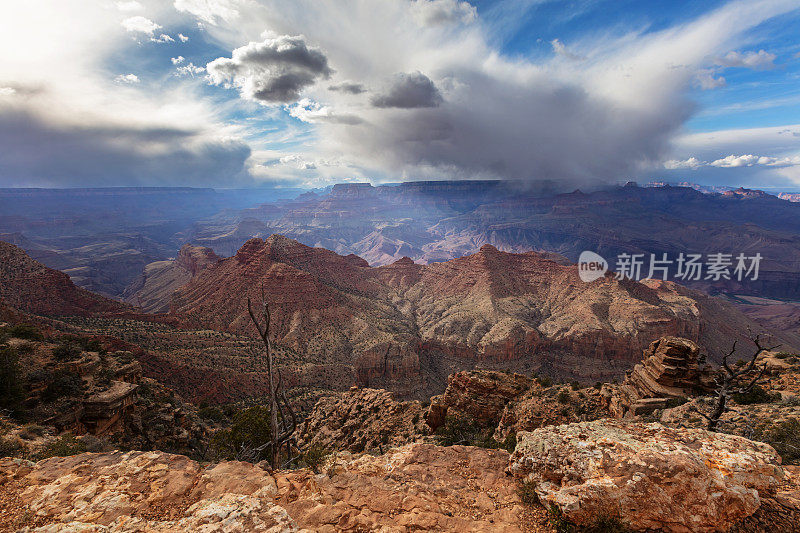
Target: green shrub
675	402
211	413
576	385
458	430
563	397
9	447
24	331
65	445
756	395
784	436
545	381
315	456
527	493
12	390
32	432
250	429
67	350
64	384
558	521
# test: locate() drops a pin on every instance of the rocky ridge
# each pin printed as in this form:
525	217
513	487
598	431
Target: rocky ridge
406	326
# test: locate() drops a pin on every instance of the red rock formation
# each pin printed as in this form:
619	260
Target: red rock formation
513	311
30	286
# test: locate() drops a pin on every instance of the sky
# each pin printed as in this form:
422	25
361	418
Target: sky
243	93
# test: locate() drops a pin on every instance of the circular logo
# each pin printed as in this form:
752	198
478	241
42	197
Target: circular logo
591	266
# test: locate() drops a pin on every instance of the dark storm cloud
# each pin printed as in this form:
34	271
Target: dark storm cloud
538	130
409	91
272	71
348	87
38	153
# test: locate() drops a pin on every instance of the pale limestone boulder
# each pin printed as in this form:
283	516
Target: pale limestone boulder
647	475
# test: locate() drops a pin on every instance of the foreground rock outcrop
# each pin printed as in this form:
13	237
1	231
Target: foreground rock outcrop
480	395
670	370
415	487
646	475
361	420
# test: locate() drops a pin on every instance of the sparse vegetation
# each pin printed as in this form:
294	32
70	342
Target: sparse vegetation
63	384
65	445
756	395
314	457
11	381
527	493
563	397
246	437
22	331
67	350
784	436
675	402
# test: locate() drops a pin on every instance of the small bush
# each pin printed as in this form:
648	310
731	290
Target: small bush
558	521
563	397
63	385
9	447
675	402
12	388
65	445
250	429
68	350
545	381
527	493
24	331
783	436
607	524
32	432
315	456
576	385
756	395
211	413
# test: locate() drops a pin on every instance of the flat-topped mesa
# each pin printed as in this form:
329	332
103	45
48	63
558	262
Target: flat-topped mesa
670	369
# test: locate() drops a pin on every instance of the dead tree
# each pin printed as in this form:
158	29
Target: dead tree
737	379
282	417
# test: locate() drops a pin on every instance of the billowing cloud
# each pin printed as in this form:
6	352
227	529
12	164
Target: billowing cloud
272	71
182	37
177	60
210	11
760	60
438	12
140	24
409	91
733	161
749	160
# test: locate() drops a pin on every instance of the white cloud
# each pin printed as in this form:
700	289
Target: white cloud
177	60
127	78
210	11
189	69
182	37
163	38
692	164
560	49
707	79
140	24
7	91
129	6
760	60
312	112
272	71
734	161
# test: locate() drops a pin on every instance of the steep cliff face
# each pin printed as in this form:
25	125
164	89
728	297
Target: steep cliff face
406	326
30	286
152	292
